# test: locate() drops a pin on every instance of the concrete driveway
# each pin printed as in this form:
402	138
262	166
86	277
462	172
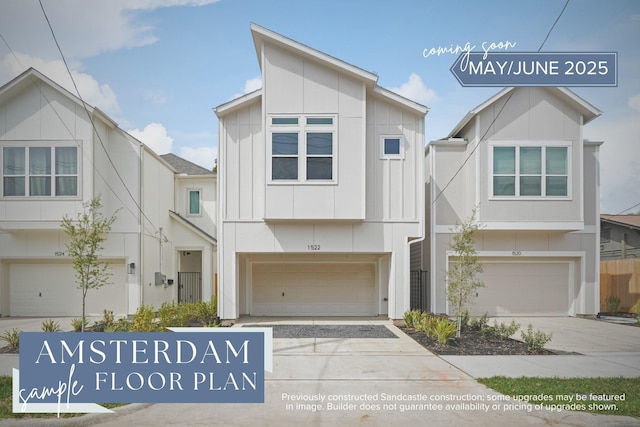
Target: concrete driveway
349	382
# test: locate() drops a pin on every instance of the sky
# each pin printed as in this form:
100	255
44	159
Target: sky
159	67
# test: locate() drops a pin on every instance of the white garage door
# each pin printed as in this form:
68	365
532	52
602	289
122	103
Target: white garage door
314	289
523	289
38	289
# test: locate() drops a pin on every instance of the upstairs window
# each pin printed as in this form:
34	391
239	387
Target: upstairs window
392	147
303	148
194	202
39	171
530	170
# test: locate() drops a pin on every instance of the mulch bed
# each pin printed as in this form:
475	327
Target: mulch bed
8	350
472	343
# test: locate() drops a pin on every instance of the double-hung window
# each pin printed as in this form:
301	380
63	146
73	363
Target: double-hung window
530	170
303	148
39	171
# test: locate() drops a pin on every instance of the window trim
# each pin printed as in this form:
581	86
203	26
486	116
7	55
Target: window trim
543	175
385	156
193	190
52	146
302	128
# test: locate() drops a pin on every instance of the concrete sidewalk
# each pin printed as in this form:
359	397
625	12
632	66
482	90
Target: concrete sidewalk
377	382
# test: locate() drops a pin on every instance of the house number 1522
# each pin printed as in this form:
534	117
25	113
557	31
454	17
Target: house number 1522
313	247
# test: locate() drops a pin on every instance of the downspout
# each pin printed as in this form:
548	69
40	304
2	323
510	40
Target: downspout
141	225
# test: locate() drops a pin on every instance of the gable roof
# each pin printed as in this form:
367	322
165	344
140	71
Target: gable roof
184	166
588	111
631	221
32	76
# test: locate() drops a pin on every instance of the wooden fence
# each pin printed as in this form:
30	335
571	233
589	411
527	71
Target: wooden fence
621	278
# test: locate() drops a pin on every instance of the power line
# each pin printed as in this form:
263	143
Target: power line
498	114
628	209
84	104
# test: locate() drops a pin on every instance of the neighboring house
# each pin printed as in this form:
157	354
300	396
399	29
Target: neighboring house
619	236
534	182
57	153
195	242
620	260
320	189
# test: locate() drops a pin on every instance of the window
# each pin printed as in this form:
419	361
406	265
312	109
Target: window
39	171
530	171
194	202
303	148
391	147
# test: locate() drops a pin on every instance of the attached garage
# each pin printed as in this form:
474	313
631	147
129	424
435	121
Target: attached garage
533	288
49	289
314	289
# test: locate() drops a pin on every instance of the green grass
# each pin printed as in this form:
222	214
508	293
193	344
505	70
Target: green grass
6	406
557	388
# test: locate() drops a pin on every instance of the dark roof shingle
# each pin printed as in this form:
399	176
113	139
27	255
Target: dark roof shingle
185	166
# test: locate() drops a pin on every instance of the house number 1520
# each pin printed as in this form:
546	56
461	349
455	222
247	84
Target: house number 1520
313	247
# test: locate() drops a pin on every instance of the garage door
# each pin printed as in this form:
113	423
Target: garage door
314	289
39	289
523	289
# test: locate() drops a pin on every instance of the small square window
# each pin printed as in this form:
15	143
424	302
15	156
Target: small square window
391	147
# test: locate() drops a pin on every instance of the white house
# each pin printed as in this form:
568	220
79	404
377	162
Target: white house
320	189
58	152
521	160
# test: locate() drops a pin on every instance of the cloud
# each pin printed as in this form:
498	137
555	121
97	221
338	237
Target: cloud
154	135
415	90
104	25
249	86
202	156
634	102
91	91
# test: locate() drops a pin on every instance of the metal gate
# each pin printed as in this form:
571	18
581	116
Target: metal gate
189	286
419	290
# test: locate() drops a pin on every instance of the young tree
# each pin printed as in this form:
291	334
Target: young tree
462	277
87	232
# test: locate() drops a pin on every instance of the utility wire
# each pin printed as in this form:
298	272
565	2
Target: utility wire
482	139
84	104
628	209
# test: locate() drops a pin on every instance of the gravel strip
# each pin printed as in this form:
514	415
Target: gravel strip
331	331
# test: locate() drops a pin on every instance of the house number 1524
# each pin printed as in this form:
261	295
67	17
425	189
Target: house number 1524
313	247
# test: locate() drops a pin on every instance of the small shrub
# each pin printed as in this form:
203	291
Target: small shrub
636	310
207	312
500	331
143	320
12	337
613	303
120	325
464	320
535	340
444	330
108	317
168	315
479	323
411	318
427	324
51	326
76	324
187	314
